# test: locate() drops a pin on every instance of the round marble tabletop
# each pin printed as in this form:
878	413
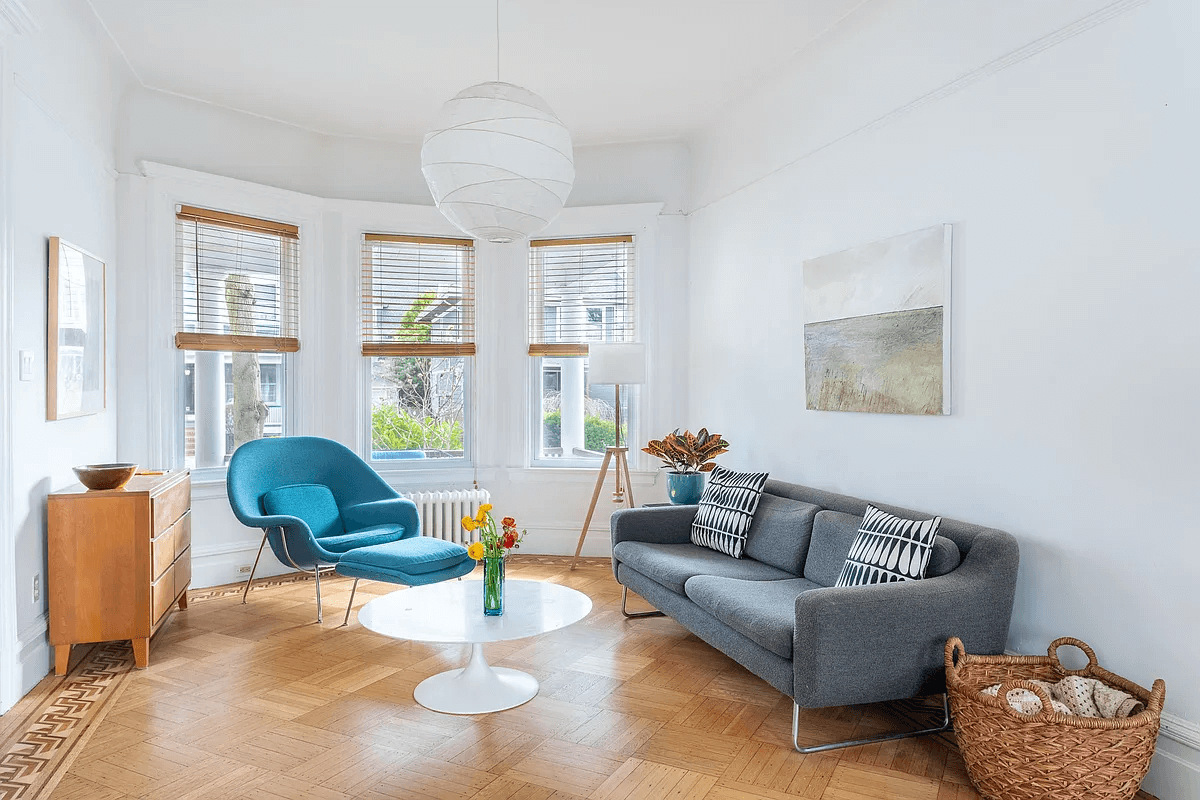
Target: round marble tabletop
452	611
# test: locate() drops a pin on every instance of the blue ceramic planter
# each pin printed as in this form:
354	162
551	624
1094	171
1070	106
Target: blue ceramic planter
685	488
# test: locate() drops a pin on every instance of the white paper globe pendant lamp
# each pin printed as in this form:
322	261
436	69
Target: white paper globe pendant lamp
498	162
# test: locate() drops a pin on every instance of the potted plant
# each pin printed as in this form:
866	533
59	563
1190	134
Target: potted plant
688	457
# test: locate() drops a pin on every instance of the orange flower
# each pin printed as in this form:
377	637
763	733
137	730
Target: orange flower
509	541
508	522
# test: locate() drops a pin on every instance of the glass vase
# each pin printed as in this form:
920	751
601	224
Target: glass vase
493	586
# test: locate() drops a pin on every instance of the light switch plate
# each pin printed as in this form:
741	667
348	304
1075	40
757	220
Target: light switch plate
26	368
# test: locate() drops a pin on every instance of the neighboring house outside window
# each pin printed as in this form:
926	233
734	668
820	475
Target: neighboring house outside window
581	291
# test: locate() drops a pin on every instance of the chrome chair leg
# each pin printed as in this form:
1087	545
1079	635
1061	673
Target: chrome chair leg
884	737
317	575
350	605
261	544
637	614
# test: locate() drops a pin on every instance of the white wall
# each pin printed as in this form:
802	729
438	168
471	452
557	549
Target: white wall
328	396
62	87
1063	149
168	129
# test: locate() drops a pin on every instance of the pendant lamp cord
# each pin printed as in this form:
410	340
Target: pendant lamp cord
497	41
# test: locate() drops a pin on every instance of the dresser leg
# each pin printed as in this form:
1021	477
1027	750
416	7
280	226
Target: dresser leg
62	659
141	653
183	600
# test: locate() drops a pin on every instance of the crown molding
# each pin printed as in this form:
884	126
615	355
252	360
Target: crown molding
15	17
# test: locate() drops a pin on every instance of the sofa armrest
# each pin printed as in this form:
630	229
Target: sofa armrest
390	511
657	525
864	644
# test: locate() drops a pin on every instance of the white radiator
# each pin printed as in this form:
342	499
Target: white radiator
442	512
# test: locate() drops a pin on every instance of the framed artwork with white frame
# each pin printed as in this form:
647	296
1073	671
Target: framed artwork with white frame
75	332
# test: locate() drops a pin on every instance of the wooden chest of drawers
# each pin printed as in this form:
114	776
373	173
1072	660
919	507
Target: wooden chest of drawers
118	562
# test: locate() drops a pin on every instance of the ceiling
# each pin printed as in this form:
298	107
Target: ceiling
613	70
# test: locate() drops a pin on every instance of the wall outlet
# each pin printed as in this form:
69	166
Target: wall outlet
25	365
244	569
37	588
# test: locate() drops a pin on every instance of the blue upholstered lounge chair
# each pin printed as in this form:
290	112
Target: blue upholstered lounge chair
317	502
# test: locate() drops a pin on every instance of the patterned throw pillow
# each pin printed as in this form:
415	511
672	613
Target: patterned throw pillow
889	548
727	509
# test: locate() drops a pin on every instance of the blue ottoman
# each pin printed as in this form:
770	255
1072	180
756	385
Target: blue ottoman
414	561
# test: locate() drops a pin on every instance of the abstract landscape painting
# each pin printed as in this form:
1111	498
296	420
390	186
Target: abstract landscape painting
877	326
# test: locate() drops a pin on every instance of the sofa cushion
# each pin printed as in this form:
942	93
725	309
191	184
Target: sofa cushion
889	548
834	533
310	502
780	532
762	611
727	509
672	564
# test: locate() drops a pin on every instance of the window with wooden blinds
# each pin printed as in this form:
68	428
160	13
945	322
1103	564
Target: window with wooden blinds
418	296
236	283
580	291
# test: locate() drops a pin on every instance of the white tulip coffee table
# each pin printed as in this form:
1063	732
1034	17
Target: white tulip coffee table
452	612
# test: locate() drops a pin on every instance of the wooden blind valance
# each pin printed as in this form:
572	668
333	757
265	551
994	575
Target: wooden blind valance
236	282
418	296
581	291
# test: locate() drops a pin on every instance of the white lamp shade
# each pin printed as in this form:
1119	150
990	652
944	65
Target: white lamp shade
619	363
498	162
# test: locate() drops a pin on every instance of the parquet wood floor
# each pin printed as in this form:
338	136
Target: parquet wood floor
258	702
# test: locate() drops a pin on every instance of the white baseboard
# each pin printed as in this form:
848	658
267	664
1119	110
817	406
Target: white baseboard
34	653
1175	772
222	564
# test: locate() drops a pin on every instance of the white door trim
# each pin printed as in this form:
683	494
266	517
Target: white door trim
15	19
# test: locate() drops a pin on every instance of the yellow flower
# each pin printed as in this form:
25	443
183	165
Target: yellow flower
469	523
481	516
475	551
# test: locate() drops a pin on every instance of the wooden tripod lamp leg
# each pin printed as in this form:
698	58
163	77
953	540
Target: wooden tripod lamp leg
587	521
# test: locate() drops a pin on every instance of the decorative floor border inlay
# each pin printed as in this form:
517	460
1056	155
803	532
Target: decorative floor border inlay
40	750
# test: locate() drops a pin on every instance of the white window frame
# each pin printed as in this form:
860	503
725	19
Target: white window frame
413	464
534	369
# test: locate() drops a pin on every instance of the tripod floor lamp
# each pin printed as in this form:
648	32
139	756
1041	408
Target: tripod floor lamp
615	363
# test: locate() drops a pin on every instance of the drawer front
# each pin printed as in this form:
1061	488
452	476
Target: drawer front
171	504
183	572
162	551
183	533
163	594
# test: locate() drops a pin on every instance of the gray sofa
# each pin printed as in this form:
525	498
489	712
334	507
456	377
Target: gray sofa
776	612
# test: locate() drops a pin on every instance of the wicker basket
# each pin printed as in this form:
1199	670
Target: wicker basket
1012	756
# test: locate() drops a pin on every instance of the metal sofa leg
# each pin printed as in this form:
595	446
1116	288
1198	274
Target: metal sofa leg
261	544
350	605
883	737
635	615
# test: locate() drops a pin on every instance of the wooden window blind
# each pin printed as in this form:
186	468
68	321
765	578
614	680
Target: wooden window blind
236	282
418	296
581	291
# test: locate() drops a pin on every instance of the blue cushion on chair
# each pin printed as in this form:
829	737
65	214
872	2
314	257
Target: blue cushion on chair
310	502
363	537
416	555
